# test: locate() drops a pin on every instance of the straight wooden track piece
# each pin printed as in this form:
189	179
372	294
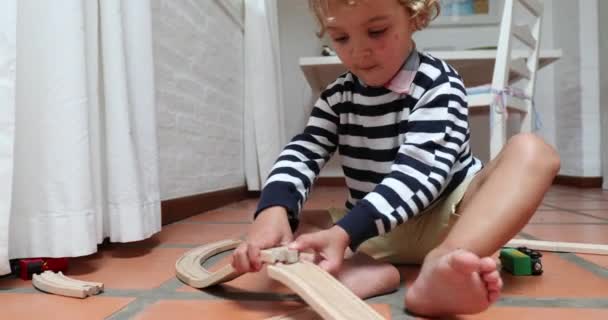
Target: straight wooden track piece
51	282
590	248
326	295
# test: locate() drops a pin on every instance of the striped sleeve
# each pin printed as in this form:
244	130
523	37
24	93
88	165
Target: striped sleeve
436	133
302	159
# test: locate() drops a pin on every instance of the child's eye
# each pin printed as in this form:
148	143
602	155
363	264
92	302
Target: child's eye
341	39
377	33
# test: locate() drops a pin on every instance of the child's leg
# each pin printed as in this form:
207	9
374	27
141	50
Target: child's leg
499	202
363	275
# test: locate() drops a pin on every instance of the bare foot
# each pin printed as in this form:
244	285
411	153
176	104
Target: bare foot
366	277
457	282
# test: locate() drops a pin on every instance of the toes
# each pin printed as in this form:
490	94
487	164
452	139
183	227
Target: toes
493	280
493	296
493	287
487	264
499	284
464	261
490	277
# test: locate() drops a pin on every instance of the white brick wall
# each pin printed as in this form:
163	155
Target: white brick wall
567	88
603	37
577	88
198	52
590	94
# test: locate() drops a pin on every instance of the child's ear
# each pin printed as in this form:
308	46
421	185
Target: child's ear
414	23
418	22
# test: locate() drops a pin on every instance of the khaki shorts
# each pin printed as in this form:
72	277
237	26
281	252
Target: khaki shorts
409	242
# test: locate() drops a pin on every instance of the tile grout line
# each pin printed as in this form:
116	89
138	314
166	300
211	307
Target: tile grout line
576	303
168	291
131	309
144	299
567	223
585	264
576	212
31	290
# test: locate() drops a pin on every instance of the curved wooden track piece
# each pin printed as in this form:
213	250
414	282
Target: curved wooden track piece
59	284
97	286
189	267
326	295
63	281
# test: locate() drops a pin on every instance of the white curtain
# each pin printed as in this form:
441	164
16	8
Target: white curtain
263	91
78	151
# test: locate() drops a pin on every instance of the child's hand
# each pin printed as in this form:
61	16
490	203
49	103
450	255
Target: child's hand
330	245
270	229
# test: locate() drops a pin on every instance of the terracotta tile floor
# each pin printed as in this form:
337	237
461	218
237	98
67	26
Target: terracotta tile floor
140	281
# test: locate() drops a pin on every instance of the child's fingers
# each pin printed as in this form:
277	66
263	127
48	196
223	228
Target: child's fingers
253	254
305	242
310	257
240	259
329	265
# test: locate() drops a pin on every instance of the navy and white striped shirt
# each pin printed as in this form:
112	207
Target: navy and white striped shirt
400	150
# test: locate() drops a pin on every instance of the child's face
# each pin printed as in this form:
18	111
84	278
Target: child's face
371	37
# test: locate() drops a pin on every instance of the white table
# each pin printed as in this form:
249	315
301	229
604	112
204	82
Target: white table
475	66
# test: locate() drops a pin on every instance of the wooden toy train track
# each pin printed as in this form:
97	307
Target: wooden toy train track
323	293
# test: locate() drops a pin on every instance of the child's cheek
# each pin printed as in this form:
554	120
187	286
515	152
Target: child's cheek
384	44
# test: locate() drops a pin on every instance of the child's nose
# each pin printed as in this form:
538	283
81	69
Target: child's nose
360	50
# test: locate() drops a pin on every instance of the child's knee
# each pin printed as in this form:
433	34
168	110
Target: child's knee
534	153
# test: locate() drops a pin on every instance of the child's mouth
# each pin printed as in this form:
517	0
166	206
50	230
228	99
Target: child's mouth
367	68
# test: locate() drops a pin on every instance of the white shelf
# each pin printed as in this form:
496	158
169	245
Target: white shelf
475	66
465	21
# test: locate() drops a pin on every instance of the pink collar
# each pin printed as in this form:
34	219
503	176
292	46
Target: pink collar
402	81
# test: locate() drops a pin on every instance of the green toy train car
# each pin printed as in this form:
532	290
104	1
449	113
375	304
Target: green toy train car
521	261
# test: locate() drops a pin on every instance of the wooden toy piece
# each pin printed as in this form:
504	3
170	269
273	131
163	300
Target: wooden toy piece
554	246
97	285
292	256
326	295
189	267
279	254
59	284
91	288
46	285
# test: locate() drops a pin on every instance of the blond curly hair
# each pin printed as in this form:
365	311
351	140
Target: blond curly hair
424	11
